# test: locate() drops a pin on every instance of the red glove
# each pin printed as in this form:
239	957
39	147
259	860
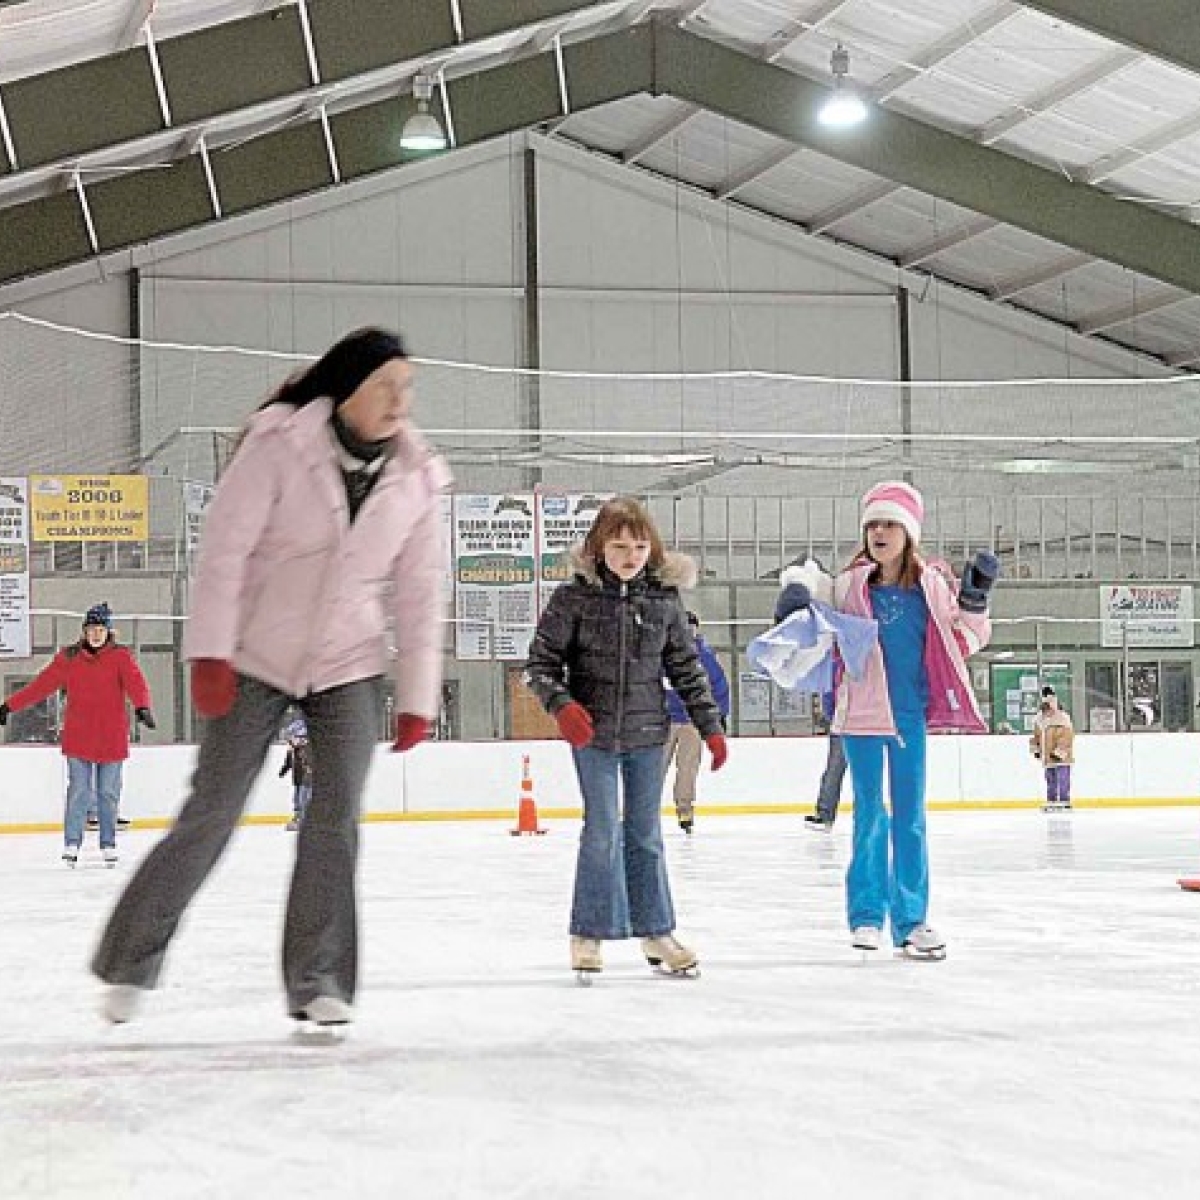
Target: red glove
575	724
410	731
214	686
718	748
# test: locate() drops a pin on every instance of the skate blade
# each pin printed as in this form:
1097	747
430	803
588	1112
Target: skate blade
585	976
308	1033
912	955
661	968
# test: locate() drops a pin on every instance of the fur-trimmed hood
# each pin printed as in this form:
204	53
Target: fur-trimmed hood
677	571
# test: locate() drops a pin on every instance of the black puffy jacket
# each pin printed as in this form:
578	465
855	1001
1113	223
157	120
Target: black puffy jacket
608	645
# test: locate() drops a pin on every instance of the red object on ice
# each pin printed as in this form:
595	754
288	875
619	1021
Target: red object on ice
1190	885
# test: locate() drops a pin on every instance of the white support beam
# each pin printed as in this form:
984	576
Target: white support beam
758	168
1064	90
1008	288
660	133
860	200
1124	313
1145	147
958	39
140	12
947	241
791	33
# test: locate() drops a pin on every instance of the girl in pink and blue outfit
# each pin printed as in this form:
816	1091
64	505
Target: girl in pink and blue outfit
915	682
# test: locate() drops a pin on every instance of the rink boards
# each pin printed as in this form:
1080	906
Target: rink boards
479	780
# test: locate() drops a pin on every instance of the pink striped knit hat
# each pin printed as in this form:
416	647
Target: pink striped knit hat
900	502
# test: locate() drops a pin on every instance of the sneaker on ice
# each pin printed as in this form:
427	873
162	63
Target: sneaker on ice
816	821
328	1010
866	937
668	951
121	1001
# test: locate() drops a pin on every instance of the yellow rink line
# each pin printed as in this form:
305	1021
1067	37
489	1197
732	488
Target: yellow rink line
703	810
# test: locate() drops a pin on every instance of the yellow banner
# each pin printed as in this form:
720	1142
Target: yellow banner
90	508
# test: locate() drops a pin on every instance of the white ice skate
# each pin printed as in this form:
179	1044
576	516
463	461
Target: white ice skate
323	1021
925	945
121	1002
70	856
587	959
865	938
670	956
111	857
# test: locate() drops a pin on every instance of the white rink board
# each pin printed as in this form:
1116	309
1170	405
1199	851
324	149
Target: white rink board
445	778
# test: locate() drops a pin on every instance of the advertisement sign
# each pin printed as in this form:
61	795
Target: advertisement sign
1147	614
495	580
90	508
14	568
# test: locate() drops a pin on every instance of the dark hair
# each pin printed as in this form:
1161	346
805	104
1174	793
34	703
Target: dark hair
613	519
341	370
692	619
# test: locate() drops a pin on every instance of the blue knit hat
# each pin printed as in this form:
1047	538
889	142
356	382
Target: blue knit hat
98	614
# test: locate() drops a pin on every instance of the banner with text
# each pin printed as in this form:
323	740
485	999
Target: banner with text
1150	614
90	508
14	568
563	522
495	580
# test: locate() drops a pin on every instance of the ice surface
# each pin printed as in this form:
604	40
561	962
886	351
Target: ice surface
1056	1053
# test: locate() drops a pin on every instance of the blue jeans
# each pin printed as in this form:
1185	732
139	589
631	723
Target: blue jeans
92	785
621	887
879	885
301	795
830	794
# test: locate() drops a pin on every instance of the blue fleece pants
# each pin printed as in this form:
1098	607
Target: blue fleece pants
889	869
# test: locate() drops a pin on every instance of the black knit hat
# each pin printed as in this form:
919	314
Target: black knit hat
98	614
341	370
1048	691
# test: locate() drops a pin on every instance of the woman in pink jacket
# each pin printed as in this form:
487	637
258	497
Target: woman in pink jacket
327	516
916	680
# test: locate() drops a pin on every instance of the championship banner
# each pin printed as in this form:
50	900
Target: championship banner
563	522
90	508
14	568
495	584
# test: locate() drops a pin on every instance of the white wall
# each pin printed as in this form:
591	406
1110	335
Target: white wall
464	779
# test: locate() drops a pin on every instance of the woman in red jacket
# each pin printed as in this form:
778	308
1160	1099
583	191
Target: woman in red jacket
98	675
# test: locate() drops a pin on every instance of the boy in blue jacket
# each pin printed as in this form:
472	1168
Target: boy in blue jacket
684	743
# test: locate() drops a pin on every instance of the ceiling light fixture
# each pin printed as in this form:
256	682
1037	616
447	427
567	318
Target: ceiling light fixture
845	107
422	131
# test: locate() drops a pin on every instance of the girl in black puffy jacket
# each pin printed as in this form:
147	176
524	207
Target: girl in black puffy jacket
597	663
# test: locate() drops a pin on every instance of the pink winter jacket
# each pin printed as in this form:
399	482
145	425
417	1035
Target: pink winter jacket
863	706
292	593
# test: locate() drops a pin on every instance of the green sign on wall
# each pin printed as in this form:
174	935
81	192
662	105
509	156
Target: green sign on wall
1017	691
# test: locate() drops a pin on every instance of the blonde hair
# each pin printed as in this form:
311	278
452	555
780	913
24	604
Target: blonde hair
614	518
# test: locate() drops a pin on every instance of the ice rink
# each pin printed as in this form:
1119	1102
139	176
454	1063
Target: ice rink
1056	1053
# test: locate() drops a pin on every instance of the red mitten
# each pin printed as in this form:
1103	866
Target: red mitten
410	731
575	724
214	686
718	748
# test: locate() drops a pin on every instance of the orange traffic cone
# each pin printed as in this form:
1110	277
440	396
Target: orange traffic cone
527	814
1190	885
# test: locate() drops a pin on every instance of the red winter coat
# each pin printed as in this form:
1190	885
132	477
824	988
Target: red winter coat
96	727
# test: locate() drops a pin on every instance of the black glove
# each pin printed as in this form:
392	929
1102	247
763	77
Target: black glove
4	711
146	717
794	598
978	578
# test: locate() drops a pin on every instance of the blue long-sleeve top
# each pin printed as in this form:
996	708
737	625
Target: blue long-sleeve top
716	680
